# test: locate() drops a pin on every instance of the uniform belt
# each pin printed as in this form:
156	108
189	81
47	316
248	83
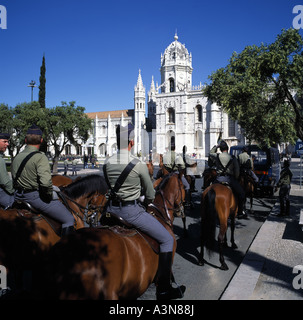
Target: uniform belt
122	203
21	190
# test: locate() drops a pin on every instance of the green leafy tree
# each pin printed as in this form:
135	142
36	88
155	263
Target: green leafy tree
262	88
24	115
66	124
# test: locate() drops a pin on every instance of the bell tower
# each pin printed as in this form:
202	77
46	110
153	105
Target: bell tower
139	104
176	68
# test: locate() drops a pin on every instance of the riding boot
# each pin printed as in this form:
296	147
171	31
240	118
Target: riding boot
287	210
68	230
241	213
165	291
282	208
187	199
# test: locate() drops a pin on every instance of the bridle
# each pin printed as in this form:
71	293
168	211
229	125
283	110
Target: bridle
89	213
166	217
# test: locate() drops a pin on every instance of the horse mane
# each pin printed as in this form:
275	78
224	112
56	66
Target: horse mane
86	185
164	181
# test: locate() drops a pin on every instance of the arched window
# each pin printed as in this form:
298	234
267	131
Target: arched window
198	113
171	115
231	127
171	85
103	130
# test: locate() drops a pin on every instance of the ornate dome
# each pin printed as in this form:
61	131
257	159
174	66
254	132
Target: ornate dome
175	52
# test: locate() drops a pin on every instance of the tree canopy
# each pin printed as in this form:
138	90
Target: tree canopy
262	88
61	125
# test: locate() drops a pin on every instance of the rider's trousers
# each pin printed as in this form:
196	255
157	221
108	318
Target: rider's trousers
54	209
6	200
137	216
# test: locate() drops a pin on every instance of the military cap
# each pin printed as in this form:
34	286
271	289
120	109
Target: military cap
5	136
34	130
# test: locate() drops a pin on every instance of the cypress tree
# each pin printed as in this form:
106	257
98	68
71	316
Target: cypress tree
42	84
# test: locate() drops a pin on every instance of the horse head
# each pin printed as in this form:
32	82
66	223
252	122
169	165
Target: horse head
85	197
170	196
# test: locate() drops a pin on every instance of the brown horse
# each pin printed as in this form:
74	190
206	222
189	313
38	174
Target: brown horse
248	186
209	176
164	173
61	181
219	201
81	198
112	263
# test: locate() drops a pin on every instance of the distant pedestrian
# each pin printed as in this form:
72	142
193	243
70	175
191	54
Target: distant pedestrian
85	161
74	166
284	185
65	166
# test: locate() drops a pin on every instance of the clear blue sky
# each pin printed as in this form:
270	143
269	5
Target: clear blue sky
94	48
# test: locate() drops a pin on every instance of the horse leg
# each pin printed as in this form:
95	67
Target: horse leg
232	228
184	223
251	203
201	256
221	240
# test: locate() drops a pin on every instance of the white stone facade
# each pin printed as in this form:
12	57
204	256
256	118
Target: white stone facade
176	111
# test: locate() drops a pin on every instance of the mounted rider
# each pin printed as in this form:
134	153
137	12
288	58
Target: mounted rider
228	171
6	183
124	202
246	164
33	181
173	162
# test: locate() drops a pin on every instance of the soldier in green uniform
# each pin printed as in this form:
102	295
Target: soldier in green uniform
284	185
33	181
124	203
246	164
228	171
6	183
173	162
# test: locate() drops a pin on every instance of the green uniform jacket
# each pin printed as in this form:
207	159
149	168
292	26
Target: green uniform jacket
137	178
6	182
285	177
36	173
243	157
173	161
215	159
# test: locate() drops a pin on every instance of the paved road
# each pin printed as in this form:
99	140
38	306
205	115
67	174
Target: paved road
208	282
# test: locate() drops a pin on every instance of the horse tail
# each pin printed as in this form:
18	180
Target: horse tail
208	223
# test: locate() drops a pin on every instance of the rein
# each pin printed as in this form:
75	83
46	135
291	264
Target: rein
168	219
64	199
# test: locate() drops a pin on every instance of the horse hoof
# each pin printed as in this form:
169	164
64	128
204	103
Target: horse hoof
224	267
234	246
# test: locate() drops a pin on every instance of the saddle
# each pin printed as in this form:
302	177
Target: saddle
26	211
121	227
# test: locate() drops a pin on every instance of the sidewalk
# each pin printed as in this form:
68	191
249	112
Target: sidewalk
266	272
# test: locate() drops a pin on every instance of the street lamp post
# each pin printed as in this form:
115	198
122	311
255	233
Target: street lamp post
32	85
